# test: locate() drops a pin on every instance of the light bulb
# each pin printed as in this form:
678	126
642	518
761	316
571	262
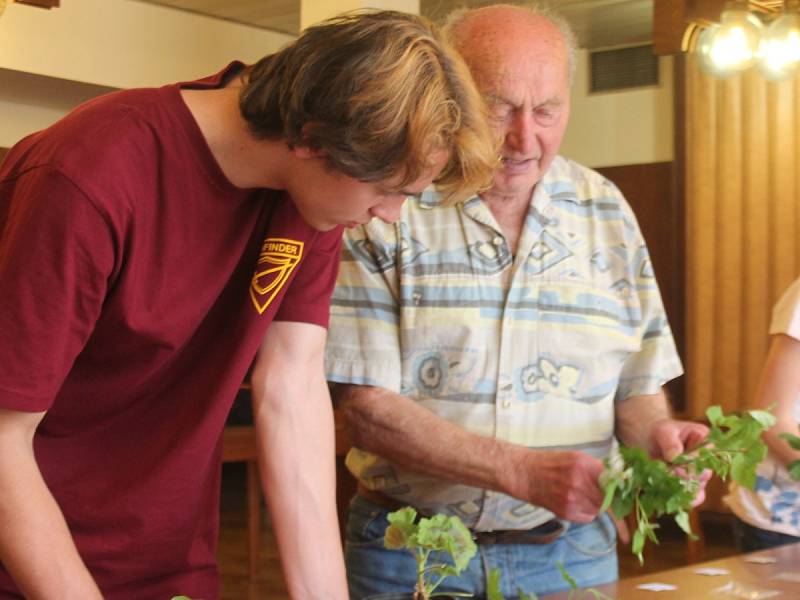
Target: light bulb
779	53
710	54
732	46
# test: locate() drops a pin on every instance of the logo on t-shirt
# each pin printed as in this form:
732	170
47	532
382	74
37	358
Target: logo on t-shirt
278	258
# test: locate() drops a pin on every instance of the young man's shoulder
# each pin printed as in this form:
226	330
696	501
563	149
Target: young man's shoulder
115	134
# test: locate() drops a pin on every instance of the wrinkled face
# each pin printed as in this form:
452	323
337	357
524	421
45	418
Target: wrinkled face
530	114
326	198
523	74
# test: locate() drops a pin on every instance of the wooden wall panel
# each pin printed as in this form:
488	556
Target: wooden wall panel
742	224
700	207
649	189
783	175
755	274
728	265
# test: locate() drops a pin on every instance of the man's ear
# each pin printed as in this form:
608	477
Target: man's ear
303	150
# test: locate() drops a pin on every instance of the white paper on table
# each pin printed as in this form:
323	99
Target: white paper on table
761	560
657	587
712	571
787	576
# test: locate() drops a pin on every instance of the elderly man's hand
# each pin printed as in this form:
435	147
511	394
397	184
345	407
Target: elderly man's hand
565	483
670	437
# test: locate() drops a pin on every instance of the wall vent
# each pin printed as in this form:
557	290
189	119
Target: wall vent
623	68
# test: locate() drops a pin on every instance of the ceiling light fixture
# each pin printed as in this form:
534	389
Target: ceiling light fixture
732	46
779	54
740	40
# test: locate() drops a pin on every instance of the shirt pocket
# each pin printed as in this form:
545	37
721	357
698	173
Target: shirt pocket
586	330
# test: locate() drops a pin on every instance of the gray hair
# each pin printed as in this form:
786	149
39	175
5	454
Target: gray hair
456	17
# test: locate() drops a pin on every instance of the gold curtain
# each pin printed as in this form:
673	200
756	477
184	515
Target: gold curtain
742	227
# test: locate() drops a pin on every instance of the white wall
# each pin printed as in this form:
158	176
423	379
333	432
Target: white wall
621	127
124	43
32	102
51	60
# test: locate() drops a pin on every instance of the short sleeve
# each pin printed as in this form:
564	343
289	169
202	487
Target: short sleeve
786	313
657	361
308	298
363	345
56	255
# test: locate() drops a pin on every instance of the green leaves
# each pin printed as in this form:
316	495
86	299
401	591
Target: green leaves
493	591
733	447
651	488
401	528
794	442
439	533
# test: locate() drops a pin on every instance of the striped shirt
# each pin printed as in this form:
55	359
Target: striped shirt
533	349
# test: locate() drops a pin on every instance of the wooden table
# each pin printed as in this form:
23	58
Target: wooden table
744	577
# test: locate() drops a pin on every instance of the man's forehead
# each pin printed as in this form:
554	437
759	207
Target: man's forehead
501	80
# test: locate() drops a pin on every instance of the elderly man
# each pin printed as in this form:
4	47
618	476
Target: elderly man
151	243
486	355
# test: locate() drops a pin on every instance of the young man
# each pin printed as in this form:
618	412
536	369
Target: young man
152	242
494	349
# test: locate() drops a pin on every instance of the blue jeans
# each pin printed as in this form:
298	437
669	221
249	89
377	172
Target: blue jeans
588	552
750	539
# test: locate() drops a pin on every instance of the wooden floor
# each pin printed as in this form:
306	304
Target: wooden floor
269	585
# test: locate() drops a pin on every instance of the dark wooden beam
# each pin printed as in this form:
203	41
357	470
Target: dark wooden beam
671	19
40	3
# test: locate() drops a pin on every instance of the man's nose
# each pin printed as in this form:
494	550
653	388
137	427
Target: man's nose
521	136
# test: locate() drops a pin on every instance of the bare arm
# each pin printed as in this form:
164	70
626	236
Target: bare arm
400	430
294	424
778	390
35	544
646	421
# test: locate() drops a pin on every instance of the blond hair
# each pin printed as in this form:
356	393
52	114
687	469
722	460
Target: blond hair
378	92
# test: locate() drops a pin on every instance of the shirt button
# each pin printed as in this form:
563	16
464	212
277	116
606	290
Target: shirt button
498	240
506	404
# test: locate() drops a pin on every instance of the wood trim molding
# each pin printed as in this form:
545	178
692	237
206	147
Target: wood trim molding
672	18
41	3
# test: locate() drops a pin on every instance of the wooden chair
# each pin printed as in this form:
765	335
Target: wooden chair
346	484
239	445
695	548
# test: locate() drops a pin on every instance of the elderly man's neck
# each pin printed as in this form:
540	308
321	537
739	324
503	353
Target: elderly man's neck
510	212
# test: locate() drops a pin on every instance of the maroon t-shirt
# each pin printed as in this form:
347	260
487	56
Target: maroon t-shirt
136	283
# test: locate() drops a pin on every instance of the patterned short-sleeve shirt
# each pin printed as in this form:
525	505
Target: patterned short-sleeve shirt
533	348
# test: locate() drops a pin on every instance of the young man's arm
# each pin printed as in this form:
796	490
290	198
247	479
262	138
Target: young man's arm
294	424
35	544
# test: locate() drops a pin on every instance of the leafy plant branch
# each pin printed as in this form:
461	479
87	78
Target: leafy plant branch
493	591
651	488
794	466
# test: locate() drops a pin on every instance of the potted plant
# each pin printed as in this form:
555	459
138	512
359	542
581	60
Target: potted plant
426	539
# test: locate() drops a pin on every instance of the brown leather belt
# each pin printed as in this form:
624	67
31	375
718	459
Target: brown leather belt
546	533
